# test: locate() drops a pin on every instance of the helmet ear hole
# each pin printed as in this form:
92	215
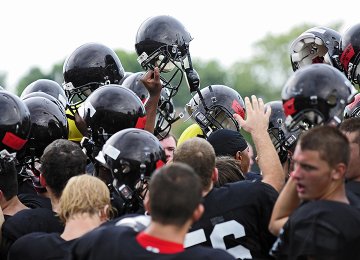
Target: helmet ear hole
331	99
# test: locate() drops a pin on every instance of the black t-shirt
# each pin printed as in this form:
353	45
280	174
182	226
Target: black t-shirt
40	245
236	218
321	229
27	221
120	243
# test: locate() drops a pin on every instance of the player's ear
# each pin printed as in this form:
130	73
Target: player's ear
199	210
146	202
215	175
42	180
339	171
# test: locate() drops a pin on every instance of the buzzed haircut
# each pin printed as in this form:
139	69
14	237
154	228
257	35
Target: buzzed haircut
61	160
330	142
175	192
351	125
200	155
8	178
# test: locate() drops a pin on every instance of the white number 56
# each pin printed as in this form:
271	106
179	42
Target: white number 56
221	230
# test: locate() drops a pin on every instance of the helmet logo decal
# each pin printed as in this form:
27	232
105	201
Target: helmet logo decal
111	151
13	141
289	107
346	56
140	124
237	108
159	164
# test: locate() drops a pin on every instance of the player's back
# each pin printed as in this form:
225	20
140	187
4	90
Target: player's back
236	218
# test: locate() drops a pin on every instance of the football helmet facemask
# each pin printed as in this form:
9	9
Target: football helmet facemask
316	45
213	107
88	67
316	95
162	41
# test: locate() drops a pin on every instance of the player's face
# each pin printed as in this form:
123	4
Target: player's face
353	168
169	146
312	175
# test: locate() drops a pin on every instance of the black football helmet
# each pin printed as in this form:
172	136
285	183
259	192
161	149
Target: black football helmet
15	124
48	123
350	53
353	109
132	155
162	41
316	95
316	45
165	115
212	108
283	140
91	65
109	109
49	87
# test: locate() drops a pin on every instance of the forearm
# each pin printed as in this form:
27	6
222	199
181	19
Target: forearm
268	160
286	203
151	109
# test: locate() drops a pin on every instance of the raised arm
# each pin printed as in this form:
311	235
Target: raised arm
256	123
286	203
151	81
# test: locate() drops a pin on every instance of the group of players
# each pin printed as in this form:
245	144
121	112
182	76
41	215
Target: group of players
160	197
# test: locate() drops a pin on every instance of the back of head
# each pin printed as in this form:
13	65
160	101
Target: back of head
175	192
351	125
229	170
227	142
61	160
83	194
332	145
200	155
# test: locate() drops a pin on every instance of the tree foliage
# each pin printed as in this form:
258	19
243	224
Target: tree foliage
263	74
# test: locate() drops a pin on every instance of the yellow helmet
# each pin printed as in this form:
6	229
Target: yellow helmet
74	133
192	131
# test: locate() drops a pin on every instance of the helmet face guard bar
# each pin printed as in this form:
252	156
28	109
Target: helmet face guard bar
77	96
214	119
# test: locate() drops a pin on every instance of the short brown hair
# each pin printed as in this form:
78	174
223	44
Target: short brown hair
351	125
330	142
200	155
174	191
83	194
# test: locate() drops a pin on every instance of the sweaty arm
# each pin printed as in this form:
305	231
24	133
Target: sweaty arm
286	203
256	123
151	81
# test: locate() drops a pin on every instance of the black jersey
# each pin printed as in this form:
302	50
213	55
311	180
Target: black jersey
40	245
34	201
120	243
236	218
320	229
354	187
27	221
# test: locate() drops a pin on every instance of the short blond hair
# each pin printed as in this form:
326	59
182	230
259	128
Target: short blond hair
83	194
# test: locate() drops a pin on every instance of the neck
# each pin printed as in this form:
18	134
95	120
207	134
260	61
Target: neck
337	193
79	224
206	191
170	233
12	206
54	200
